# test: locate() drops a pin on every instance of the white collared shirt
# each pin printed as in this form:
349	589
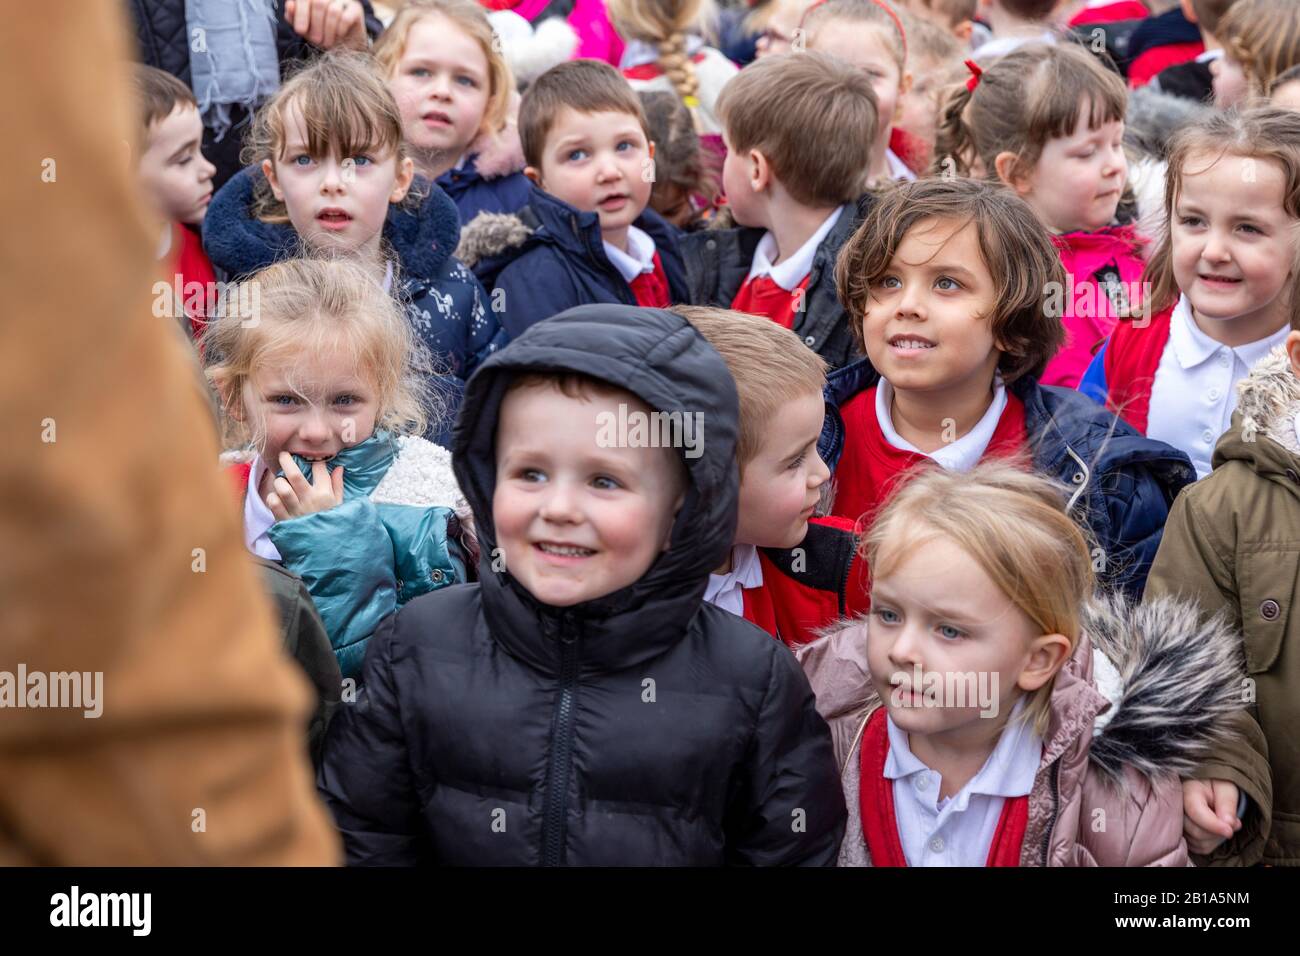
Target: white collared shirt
1001	46
1195	388
790	271
639	258
257	516
726	590
960	455
898	170
959	831
1209	56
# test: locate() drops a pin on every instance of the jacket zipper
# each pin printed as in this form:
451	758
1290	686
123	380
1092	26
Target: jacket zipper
1047	832
555	804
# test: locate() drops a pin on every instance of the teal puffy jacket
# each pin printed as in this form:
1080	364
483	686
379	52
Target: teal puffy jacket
392	539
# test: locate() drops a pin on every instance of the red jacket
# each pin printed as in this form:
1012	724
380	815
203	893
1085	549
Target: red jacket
1130	360
810	586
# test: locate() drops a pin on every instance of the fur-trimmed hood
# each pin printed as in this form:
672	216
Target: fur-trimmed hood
1152	684
240	244
1268	402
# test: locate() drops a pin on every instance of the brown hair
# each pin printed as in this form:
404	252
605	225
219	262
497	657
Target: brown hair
472	20
1286	76
1209	13
770	364
1029	9
807	113
877	13
1012	522
346	108
306	306
1016	249
953	11
587	86
666	24
927	41
678	163
1266	133
1033	94
157	93
1264	37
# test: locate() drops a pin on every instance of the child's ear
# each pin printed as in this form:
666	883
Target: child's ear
1047	655
760	171
268	170
963	30
1007	167
231	402
535	174
1293	351
402	183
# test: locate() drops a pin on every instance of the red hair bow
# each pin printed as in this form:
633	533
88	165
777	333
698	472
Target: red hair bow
975	74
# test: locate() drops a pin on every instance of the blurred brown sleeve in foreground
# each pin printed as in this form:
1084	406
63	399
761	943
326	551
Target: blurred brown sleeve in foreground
199	755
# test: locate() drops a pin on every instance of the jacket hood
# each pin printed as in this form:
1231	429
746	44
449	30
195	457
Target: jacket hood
1151	683
1153	117
657	356
546	219
1268	401
240	244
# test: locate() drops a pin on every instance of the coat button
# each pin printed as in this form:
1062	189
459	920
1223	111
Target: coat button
810	341
711	244
1078	478
437	575
1269	610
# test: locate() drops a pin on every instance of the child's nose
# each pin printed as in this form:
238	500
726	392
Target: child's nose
905	652
911	303
313	427
560	504
1216	248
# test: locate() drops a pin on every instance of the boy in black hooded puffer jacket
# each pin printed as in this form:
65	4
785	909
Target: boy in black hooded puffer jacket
580	704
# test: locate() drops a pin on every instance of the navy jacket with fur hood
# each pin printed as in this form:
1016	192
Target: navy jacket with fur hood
445	303
1123	483
644	727
549	257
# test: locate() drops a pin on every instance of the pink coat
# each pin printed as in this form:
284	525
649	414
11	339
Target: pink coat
1107	792
597	39
1088	311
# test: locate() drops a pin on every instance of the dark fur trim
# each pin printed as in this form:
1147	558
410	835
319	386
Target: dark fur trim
490	234
1181	676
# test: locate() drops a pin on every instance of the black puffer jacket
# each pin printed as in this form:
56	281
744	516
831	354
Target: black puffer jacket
497	730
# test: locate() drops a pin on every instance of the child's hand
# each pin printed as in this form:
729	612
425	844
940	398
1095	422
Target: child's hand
328	23
1209	813
294	497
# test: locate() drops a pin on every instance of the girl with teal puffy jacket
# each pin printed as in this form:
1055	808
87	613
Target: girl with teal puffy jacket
325	384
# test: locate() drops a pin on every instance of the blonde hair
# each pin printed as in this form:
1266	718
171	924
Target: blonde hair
876	13
1266	133
1264	37
808	113
346	108
309	306
1021	101
472	20
1012	523
770	364
666	23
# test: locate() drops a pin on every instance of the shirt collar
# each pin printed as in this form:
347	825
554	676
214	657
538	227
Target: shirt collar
791	270
639	258
960	455
1192	346
746	572
1009	770
898	169
639	52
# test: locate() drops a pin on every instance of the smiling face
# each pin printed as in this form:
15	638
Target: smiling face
1233	246
781	484
574	520
336	203
927	323
1077	181
598	162
441	84
867	46
313	406
172	170
955	623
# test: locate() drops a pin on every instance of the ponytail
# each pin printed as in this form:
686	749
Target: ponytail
679	69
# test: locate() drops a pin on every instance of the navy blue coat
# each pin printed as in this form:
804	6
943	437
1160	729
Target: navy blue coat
444	301
473	193
550	257
1123	483
643	727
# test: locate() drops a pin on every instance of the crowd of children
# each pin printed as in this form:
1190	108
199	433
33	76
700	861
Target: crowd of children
660	437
